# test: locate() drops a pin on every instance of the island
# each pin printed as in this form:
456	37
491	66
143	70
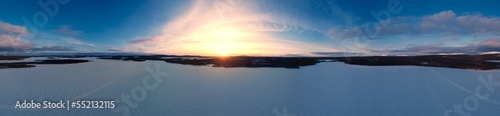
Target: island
28	64
470	62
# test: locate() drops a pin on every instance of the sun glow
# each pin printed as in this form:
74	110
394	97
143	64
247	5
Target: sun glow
205	30
221	48
223	40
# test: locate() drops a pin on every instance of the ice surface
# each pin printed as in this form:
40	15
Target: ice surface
325	89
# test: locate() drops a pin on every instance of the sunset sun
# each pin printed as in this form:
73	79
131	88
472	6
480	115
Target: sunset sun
221	40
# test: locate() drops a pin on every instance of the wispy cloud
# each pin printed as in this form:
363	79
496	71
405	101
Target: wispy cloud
52	49
433	49
489	45
66	30
337	54
13	43
10	38
114	50
77	42
6	28
141	41
443	23
461	33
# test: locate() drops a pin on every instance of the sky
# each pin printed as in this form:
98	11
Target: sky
251	27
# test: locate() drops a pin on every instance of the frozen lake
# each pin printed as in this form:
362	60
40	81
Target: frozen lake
325	89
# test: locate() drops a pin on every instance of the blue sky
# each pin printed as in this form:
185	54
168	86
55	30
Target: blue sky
251	27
